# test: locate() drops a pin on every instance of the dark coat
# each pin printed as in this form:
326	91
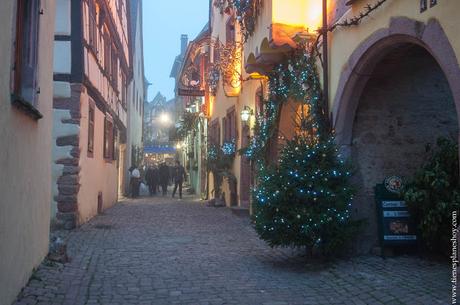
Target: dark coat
163	174
150	176
179	173
156	176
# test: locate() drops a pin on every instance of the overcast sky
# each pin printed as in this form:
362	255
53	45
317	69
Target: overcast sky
164	22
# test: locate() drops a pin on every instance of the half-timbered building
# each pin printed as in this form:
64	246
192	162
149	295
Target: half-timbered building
91	73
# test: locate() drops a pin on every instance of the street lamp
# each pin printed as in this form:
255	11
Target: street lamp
165	119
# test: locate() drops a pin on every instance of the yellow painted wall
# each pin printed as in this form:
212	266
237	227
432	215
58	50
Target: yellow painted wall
343	41
222	102
96	174
25	160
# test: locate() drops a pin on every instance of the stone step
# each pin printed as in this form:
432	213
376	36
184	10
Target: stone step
240	211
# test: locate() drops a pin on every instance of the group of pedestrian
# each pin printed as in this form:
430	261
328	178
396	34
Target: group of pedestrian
157	178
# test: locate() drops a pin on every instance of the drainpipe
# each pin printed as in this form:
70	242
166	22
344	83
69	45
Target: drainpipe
326	65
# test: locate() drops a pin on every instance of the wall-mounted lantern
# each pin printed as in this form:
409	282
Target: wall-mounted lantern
246	114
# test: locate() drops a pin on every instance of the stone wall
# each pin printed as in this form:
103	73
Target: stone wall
406	105
66	154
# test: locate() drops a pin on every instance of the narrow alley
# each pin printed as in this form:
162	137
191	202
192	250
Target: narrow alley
163	251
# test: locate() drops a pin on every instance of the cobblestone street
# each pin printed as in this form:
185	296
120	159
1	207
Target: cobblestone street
163	251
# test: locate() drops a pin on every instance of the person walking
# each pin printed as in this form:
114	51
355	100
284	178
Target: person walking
164	177
156	179
150	180
135	182
179	177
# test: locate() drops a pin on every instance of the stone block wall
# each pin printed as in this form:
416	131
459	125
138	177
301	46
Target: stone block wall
406	105
66	153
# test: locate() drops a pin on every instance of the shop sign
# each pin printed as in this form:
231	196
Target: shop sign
396	226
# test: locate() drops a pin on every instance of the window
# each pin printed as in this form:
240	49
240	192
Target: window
108	139
214	132
114	66
116	141
92	25
91	115
260	102
229	123
123	89
25	65
120	8
107	53
141	105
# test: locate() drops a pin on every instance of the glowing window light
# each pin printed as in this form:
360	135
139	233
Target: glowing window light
306	14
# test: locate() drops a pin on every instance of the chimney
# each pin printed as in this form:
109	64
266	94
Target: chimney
183	43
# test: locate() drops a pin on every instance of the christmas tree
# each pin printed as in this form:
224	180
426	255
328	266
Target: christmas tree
305	199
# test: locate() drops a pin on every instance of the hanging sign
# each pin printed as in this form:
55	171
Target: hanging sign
191	81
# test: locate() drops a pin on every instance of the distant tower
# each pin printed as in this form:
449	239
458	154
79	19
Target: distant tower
183	44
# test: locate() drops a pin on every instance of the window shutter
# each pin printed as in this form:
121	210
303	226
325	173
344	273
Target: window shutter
91	127
224	126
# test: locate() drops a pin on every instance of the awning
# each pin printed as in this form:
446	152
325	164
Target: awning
159	149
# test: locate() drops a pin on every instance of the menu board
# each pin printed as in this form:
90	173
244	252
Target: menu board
396	227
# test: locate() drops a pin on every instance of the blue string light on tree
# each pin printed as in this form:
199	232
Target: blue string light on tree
304	200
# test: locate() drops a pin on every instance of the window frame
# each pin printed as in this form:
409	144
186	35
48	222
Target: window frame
26	51
108	143
92	26
107	54
114	67
214	132
91	127
230	125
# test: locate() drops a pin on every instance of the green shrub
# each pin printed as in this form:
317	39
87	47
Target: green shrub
434	194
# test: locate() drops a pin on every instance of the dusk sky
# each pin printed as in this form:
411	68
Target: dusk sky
164	22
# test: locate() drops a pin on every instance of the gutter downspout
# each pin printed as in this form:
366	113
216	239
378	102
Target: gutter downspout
326	65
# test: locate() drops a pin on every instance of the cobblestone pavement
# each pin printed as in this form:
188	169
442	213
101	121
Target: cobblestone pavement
160	251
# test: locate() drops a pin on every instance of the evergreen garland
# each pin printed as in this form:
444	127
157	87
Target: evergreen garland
247	12
295	78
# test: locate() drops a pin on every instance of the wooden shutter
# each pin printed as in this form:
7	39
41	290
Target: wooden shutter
91	115
108	139
107	53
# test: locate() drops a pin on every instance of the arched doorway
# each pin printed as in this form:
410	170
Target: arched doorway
399	91
405	106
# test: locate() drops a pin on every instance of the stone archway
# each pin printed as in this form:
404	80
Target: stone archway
399	93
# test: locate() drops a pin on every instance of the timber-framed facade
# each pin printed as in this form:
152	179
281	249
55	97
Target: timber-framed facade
90	106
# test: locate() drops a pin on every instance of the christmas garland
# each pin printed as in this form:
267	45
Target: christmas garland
358	18
247	12
294	78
